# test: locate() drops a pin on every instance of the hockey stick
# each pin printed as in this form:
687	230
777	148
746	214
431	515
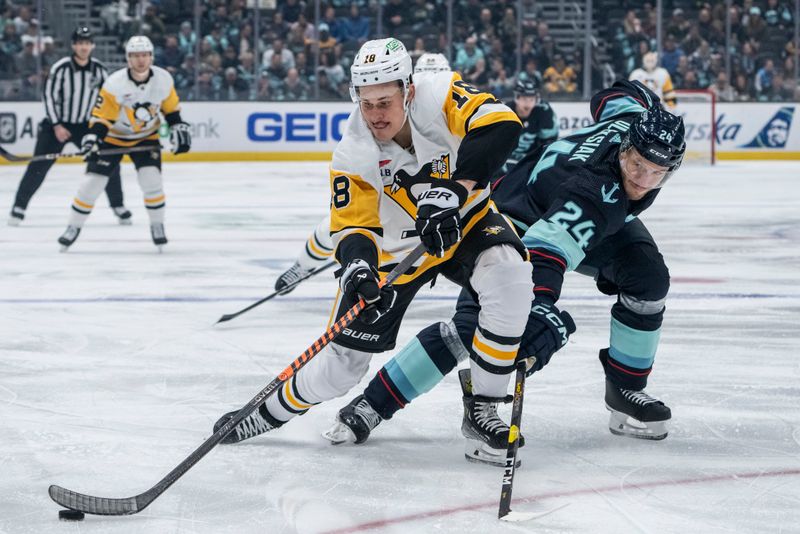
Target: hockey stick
505	512
55	155
229	316
132	505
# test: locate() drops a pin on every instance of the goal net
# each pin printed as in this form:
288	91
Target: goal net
698	109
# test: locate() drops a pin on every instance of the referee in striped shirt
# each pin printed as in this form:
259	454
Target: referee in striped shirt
69	95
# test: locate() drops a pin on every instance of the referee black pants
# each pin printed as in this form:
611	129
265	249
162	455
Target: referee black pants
46	143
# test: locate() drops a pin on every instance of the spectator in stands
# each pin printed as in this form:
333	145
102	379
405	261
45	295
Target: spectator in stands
233	87
394	16
294	88
327	91
187	39
309	33
170	56
230	58
245	69
184	77
499	83
216	39
678	26
296	39
8	66
468	55
278	28
477	74
326	41
22	20
285	56
419	49
722	89
546	52
153	26
204	88
756	27
559	78
778	15
334	23
743	93
672	55
246	41
275	71
692	41
420	13
291	10
355	28
305	70
11	43
333	69
764	79
26	61
507	29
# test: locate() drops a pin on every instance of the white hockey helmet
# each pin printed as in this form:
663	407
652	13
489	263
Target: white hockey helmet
138	43
380	61
429	62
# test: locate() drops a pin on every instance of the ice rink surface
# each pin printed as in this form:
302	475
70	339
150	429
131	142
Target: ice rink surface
111	372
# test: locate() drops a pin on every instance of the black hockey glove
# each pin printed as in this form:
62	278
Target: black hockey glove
90	145
360	280
180	135
438	221
547	331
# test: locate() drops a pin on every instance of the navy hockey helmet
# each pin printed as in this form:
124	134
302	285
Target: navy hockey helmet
659	136
527	87
82	33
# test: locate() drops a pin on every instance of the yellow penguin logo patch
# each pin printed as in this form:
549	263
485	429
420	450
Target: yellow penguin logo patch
493	230
441	167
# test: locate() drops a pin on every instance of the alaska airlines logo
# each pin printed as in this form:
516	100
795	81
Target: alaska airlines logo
776	132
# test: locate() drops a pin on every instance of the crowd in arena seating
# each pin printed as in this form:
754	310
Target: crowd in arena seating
761	48
299	60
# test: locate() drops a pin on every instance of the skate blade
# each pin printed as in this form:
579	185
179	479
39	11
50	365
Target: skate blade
517	517
339	434
160	249
13	221
63	248
125	222
621	424
477	452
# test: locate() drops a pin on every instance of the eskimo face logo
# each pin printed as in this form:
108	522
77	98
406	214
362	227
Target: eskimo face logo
777	132
8	127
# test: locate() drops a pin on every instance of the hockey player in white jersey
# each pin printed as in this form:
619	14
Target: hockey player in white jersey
127	114
415	153
318	247
655	78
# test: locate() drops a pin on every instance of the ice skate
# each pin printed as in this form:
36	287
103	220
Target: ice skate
17	216
68	237
256	423
123	214
636	414
159	237
354	423
486	433
292	275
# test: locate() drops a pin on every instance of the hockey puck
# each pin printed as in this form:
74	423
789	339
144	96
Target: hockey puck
71	515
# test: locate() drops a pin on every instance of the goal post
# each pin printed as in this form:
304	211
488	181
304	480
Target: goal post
698	107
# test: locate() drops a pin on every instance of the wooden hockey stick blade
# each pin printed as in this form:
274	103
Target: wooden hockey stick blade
90	504
516	517
229	316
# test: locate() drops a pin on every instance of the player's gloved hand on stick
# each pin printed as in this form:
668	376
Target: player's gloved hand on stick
438	221
90	145
360	280
548	330
180	135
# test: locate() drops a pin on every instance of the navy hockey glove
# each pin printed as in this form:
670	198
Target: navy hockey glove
360	280
438	221
547	331
180	135
90	145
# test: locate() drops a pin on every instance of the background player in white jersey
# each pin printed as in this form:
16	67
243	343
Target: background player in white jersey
127	115
655	78
456	136
318	246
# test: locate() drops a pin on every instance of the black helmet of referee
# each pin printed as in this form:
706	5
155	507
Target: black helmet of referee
82	33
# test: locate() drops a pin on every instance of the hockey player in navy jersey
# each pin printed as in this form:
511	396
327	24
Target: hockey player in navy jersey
575	208
539	122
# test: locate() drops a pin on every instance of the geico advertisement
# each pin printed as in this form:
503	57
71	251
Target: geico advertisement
317	127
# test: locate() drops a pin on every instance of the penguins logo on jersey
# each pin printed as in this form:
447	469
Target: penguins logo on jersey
440	168
141	115
493	230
